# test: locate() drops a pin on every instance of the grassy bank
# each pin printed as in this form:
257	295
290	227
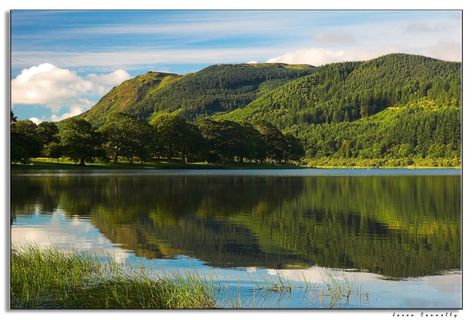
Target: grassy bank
328	162
50	279
64	164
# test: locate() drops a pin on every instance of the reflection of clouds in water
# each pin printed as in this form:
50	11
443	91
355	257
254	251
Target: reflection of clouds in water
451	282
440	291
61	232
319	275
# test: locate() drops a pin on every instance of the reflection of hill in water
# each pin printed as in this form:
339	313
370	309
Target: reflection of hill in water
395	226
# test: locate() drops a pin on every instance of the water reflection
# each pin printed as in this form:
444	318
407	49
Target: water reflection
397	227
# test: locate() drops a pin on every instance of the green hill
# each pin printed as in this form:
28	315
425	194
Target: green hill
124	97
220	88
395	106
214	89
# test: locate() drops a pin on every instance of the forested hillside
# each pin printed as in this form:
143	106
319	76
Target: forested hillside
394	110
394	107
219	88
214	89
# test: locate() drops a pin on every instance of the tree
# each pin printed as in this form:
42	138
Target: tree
12	117
125	135
295	150
192	144
53	150
48	133
172	130
274	139
226	139
80	141
25	142
256	146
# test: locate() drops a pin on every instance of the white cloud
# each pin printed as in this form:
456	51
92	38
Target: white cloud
53	87
449	50
73	111
35	120
105	81
320	56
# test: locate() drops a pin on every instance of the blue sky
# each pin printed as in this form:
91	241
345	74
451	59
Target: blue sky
64	61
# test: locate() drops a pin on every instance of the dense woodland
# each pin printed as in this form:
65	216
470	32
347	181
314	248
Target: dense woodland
168	136
394	110
394	107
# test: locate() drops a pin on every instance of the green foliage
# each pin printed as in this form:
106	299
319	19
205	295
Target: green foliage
219	88
49	134
421	129
369	109
294	150
53	150
126	136
226	140
276	144
25	141
397	107
213	89
80	141
12	117
124	97
178	136
50	279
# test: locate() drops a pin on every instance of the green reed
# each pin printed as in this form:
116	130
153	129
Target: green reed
51	279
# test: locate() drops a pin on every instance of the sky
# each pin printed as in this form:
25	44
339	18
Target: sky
62	62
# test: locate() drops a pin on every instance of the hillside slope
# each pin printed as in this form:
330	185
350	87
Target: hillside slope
220	88
342	109
123	98
214	89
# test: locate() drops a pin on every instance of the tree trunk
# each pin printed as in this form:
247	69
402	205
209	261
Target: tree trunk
115	158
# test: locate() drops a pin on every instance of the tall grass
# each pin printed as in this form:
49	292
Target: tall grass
45	278
51	279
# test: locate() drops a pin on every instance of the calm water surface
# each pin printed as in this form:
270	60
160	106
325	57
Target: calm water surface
393	234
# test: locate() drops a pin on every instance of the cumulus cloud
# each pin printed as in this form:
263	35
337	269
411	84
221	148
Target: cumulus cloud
445	50
53	87
73	111
320	56
105	81
35	120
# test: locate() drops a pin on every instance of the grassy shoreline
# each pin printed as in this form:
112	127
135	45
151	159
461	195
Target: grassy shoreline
53	279
48	278
49	164
63	164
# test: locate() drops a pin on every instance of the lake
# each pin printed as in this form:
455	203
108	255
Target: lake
393	236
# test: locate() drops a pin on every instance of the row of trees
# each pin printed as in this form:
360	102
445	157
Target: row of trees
166	136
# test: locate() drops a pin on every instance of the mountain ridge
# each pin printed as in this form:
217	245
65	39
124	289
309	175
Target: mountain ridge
371	99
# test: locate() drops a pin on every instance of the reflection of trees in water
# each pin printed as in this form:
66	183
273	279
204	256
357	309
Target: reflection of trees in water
395	226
